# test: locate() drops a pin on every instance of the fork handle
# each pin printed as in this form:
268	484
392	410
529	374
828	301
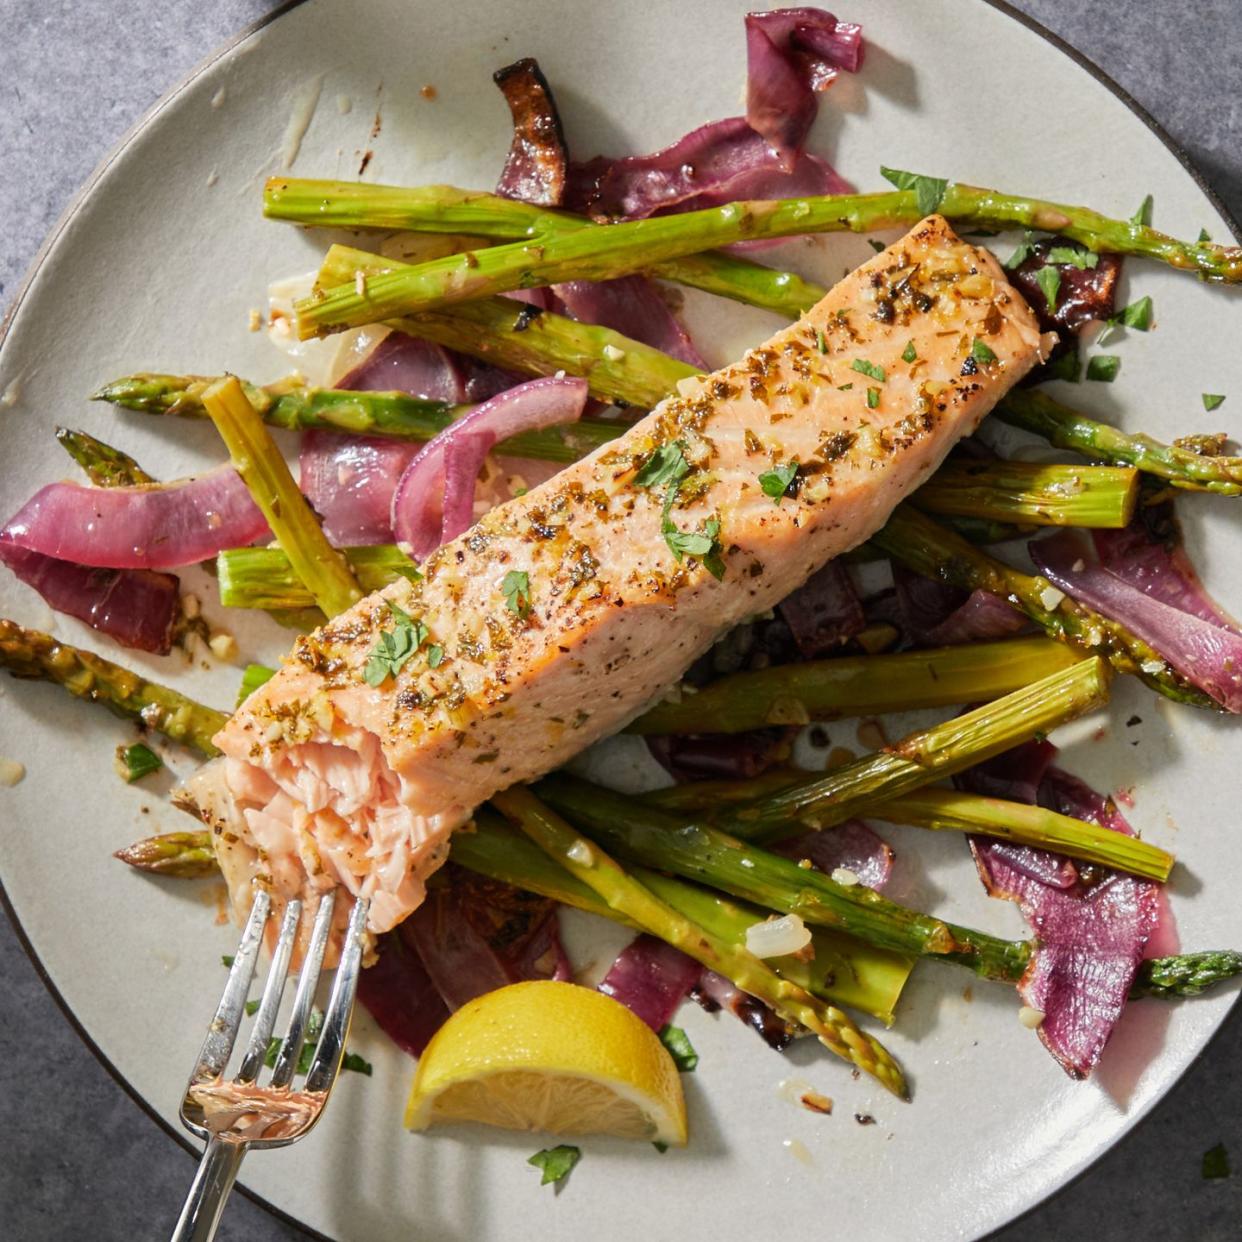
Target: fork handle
204	1205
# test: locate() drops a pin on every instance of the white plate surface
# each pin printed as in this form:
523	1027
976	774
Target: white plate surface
158	267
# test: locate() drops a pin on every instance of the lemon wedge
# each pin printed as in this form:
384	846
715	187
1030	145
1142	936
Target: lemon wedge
553	1057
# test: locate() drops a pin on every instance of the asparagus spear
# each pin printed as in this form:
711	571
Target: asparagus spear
1032	493
697	851
1188	974
265	578
186	855
843	970
600	254
704	797
29	653
256	458
622	892
948	810
105	466
643	834
500	331
441	209
928	548
921	758
855	686
653	838
1035	411
467	212
288	403
291	404
868	979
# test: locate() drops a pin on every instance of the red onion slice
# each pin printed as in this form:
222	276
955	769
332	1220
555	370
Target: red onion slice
475	935
137	607
933	614
350	481
154	527
1090	936
1092	926
534	170
824	612
399	994
421	517
1207	652
403	363
651	978
849	846
631	305
717	163
790	54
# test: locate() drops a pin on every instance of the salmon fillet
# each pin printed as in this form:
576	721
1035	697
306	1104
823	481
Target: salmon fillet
558	617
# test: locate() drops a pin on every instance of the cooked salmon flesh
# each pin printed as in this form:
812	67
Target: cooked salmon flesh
565	611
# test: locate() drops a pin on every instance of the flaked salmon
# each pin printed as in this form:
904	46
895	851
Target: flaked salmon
558	617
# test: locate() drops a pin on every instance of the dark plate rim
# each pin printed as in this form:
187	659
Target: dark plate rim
75	205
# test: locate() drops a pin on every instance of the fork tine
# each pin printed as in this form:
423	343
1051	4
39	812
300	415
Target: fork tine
273	989
327	1062
222	1033
304	997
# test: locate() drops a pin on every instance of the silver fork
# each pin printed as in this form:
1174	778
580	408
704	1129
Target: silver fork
236	1115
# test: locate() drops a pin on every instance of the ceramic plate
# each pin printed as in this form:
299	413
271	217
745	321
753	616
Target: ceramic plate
158	266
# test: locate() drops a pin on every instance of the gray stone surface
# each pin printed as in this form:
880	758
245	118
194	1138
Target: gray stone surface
73	78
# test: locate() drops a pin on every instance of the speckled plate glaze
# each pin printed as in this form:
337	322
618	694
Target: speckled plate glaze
158	265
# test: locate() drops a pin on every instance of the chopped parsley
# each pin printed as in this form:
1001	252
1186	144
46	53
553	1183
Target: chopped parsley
1212	399
928	191
1215	1163
980	351
314	1024
352	1061
1049	281
1103	367
1143	215
1026	248
515	586
136	761
668	465
1204	235
820	342
1064	367
868	368
776	482
1072	256
665	465
394	648
873	398
844	387
680	1048
555	1163
227	960
909	354
1137	315
252	1007
877	246
435	655
660	1147
704	545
